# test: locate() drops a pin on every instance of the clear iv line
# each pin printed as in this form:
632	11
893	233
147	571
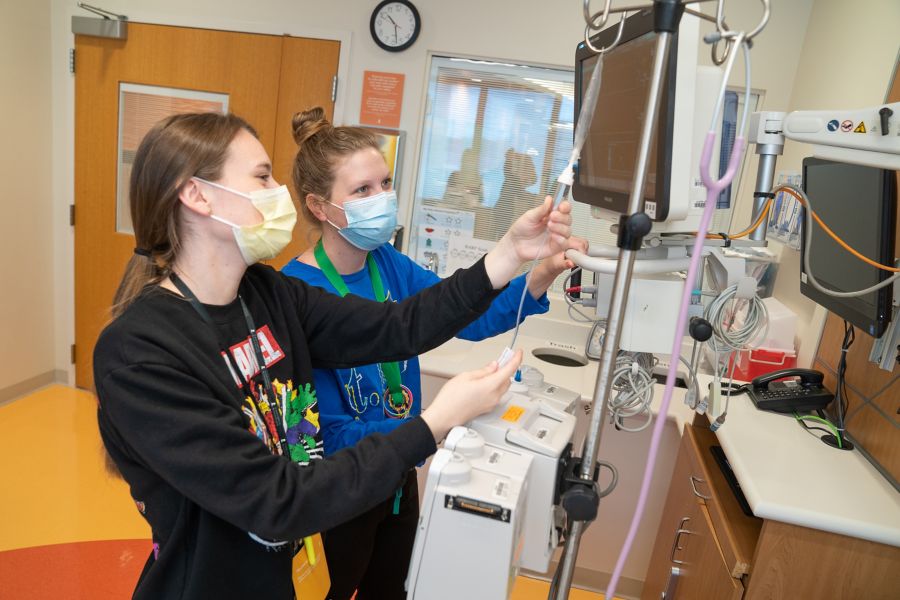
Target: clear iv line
567	177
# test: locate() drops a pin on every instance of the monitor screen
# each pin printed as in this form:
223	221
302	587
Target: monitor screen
608	158
859	204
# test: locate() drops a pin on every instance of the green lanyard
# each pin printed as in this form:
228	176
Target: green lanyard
391	370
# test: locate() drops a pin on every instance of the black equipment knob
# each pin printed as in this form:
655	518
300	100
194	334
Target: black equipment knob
700	329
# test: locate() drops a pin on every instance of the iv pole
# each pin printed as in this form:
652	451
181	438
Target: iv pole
632	229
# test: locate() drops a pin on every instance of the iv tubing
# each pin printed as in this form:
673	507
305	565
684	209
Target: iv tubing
585	114
567	177
713	188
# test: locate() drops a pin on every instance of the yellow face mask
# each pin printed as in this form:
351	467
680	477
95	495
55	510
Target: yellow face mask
267	239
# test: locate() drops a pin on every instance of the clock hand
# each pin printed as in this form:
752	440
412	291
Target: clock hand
392	21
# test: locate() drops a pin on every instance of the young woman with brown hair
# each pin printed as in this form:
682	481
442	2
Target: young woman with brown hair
204	376
347	196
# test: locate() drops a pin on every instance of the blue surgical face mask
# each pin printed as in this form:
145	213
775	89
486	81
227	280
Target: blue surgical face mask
370	221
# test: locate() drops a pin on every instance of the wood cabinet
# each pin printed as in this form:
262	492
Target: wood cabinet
702	572
705	543
707	548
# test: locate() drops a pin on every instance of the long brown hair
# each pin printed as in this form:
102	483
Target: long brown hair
174	150
320	147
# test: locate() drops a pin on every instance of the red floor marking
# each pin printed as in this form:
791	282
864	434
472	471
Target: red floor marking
90	570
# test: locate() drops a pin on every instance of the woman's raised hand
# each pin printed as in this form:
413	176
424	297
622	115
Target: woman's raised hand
543	276
468	395
526	238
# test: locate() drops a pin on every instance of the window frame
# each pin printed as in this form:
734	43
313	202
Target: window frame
412	201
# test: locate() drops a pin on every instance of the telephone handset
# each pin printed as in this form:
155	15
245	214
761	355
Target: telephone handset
807	393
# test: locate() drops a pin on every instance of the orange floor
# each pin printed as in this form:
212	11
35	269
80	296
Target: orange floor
70	530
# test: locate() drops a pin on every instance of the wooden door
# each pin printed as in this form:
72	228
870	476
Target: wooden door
266	79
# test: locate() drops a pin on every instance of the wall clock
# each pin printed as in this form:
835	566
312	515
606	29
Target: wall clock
395	25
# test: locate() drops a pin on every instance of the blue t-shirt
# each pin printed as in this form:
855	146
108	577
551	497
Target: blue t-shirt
351	401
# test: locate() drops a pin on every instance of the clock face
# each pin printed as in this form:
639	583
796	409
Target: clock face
395	25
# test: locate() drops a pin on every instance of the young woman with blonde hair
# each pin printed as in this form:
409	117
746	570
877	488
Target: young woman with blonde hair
347	196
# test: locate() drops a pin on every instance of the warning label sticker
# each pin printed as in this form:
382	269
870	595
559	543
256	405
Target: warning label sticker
513	413
861	128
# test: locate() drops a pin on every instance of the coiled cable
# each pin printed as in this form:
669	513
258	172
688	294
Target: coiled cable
721	313
632	385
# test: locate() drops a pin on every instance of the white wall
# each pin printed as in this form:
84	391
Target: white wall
26	245
774	62
847	61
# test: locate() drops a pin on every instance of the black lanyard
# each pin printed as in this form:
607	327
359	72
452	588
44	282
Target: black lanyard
274	406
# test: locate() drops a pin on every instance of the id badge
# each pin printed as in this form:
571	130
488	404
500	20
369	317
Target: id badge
309	570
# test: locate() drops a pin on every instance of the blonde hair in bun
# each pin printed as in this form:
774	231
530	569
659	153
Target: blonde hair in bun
320	147
308	123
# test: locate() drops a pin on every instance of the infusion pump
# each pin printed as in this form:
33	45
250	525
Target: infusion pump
489	503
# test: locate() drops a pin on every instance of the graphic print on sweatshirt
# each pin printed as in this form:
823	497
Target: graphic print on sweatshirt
301	416
298	406
363	394
245	358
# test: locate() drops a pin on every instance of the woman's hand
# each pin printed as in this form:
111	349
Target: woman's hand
468	395
527	237
543	276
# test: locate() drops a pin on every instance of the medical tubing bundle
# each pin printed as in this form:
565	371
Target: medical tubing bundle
633	383
721	316
713	188
571	303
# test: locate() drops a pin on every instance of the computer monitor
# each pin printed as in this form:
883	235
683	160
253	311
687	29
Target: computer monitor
674	196
860	205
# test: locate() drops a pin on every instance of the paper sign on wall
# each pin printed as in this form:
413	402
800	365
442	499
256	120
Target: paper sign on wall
382	99
435	228
462	252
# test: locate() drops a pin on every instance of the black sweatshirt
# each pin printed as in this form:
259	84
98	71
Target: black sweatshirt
191	438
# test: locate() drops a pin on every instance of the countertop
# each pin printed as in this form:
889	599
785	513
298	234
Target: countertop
786	474
790	476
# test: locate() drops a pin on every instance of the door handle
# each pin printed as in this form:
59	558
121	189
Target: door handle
694	481
678	533
671	584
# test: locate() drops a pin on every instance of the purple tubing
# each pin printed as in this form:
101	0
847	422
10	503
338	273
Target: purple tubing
713	188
